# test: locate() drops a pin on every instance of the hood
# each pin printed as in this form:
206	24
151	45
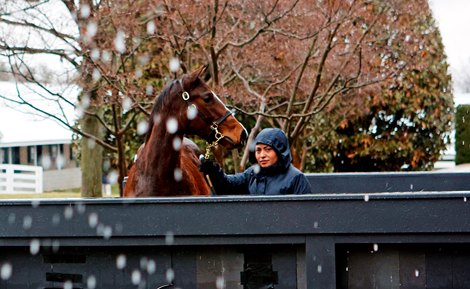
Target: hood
276	139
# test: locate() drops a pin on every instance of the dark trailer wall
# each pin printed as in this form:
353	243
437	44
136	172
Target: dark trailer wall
344	240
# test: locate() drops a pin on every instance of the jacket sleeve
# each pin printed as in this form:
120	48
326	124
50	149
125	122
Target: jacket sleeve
225	184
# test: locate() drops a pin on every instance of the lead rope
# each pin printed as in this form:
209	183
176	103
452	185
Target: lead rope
218	136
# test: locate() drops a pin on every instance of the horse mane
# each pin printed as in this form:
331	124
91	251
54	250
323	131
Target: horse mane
160	103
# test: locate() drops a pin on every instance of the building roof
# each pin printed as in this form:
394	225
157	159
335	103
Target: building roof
21	126
22	129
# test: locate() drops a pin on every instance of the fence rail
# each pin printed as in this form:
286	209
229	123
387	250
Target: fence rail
383	237
21	179
336	241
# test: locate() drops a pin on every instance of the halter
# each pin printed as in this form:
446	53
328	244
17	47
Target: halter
217	135
214	126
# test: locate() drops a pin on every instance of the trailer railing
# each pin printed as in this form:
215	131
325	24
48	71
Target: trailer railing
400	239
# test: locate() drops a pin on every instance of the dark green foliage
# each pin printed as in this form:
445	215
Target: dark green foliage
462	134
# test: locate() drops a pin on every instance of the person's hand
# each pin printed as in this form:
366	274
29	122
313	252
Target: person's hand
207	166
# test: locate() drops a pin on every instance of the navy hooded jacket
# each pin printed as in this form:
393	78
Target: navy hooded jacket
279	179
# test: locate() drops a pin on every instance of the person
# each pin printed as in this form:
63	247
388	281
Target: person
273	174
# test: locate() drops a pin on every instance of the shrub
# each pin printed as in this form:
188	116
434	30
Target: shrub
462	134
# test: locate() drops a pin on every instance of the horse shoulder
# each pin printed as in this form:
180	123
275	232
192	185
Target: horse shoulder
129	189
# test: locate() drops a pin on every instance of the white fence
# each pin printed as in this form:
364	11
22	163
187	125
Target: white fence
21	179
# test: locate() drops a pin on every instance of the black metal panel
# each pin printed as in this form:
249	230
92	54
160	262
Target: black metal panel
310	240
82	267
389	182
241	216
320	262
409	266
141	267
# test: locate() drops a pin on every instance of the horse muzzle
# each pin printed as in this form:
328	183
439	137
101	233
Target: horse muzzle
227	141
243	138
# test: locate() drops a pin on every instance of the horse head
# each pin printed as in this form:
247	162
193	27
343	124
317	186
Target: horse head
185	107
206	115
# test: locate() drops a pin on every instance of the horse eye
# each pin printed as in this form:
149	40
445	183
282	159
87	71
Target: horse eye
207	97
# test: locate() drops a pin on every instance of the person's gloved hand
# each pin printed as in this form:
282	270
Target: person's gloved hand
208	167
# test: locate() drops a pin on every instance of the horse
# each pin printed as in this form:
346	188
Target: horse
167	164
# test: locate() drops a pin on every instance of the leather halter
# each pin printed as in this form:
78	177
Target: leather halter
214	126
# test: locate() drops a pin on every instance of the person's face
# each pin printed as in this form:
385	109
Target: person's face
265	155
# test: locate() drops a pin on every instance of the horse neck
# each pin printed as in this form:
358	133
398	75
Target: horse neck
161	156
159	159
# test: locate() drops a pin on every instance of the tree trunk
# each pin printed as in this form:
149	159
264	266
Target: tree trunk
122	165
91	157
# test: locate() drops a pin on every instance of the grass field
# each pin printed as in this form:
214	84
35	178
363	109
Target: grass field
46	195
74	193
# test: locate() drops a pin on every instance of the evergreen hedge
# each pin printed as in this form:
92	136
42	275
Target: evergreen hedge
462	134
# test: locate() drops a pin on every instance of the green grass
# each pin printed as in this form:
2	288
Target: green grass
45	195
72	193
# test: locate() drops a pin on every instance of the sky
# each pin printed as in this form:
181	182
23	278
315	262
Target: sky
453	20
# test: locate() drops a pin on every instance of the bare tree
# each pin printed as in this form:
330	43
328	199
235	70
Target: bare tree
284	62
94	52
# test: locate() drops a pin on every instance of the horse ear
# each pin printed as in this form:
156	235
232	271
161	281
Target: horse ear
207	73
202	73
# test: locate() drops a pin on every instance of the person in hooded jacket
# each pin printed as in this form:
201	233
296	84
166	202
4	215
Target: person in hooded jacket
272	175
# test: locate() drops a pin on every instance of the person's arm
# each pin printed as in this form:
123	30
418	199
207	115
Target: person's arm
224	184
301	185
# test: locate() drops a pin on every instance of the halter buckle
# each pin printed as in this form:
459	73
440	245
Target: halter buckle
217	135
185	95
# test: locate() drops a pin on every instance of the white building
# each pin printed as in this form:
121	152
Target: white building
33	140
